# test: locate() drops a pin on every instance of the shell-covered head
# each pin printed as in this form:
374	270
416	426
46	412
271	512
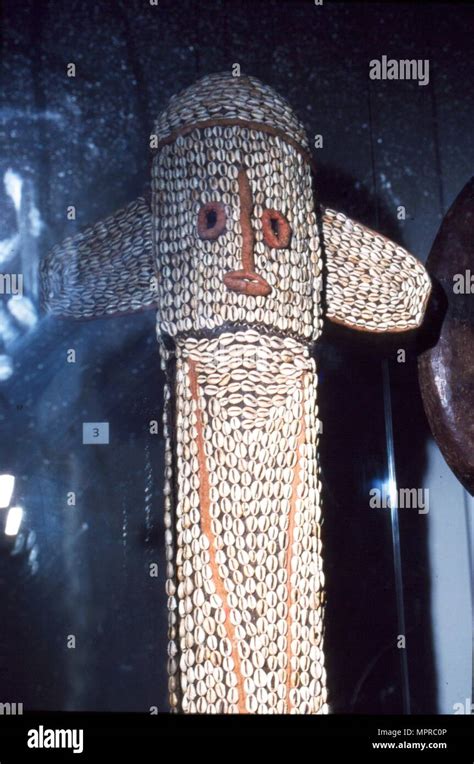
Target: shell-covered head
235	231
231	239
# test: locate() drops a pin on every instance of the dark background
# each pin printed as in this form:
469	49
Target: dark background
83	141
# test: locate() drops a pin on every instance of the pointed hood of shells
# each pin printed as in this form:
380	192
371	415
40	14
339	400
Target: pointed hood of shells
224	99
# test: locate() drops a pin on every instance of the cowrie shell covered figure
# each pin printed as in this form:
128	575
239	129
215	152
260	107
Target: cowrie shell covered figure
233	247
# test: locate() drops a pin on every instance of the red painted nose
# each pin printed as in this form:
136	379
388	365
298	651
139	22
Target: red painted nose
246	281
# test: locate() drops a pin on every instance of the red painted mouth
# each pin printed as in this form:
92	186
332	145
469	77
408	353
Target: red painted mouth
247	282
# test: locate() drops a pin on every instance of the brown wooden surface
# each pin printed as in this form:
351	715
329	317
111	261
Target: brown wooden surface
446	370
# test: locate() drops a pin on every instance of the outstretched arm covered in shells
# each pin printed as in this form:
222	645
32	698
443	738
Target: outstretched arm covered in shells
105	270
372	284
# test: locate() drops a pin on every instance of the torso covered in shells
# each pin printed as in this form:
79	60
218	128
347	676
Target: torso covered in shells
246	583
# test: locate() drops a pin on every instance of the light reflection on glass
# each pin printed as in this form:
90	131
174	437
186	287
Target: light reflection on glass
14	518
389	489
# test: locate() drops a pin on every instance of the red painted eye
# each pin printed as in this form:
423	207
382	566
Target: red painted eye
211	220
276	229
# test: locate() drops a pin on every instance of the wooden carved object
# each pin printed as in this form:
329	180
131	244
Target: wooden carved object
446	370
233	241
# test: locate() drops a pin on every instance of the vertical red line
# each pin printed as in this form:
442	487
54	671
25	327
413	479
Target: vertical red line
291	529
246	206
204	502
